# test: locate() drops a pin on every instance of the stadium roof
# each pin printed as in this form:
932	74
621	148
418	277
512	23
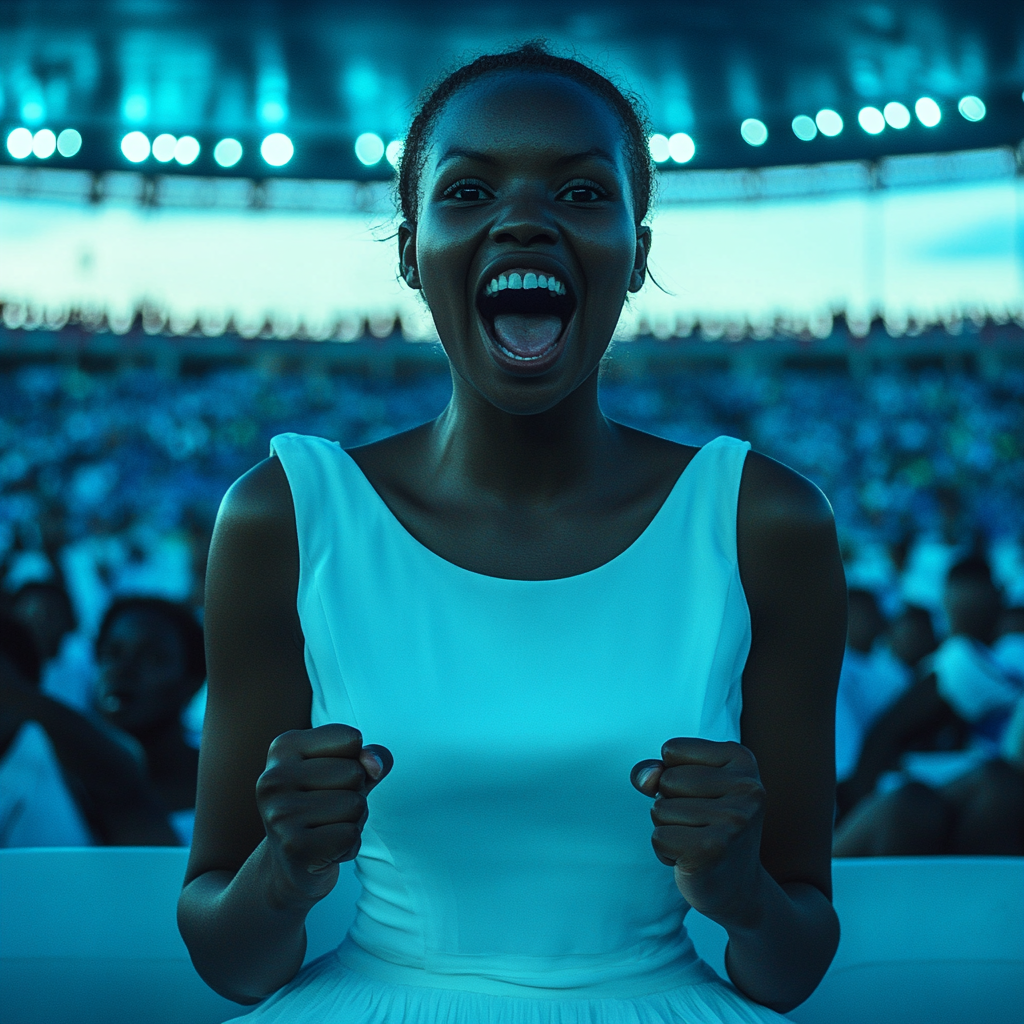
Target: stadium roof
326	73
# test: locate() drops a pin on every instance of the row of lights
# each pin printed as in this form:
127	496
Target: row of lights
43	143
680	148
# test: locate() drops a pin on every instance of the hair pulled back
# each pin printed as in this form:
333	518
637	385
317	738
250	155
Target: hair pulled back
531	56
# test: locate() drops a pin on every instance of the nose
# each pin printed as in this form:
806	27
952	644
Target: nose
524	221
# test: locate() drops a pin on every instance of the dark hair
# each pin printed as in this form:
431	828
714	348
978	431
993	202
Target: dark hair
17	645
972	569
181	617
47	588
531	56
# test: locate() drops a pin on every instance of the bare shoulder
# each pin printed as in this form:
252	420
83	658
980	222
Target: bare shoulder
777	500
259	499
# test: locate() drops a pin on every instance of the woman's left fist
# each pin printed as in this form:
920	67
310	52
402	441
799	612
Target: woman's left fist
707	821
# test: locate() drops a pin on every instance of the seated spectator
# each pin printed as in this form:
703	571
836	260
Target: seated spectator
1008	648
63	779
963	694
151	662
68	669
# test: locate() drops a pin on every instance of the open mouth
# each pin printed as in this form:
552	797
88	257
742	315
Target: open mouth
526	312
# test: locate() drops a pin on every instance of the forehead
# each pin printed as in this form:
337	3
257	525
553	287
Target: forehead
514	115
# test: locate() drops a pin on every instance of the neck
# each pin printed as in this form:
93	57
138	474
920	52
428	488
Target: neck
523	458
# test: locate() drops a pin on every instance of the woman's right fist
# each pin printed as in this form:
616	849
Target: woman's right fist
312	798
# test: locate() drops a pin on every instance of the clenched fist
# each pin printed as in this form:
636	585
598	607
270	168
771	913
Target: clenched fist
312	798
707	821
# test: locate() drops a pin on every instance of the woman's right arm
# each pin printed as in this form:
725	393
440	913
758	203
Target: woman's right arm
279	804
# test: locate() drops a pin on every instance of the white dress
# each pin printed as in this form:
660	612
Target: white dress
507	869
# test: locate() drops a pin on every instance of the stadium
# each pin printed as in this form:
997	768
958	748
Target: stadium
199	252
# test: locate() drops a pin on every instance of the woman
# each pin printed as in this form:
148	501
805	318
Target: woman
522	600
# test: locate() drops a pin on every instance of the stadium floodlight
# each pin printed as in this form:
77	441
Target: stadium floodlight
227	152
972	108
754	132
393	152
658	145
804	127
277	149
872	120
19	143
69	142
928	112
681	147
44	143
186	150
135	146
896	115
369	149
163	148
828	122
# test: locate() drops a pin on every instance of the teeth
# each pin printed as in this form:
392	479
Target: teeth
526	281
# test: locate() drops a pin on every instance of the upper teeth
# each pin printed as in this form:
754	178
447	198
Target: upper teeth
530	279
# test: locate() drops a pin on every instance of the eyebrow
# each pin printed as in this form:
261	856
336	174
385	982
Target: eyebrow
475	154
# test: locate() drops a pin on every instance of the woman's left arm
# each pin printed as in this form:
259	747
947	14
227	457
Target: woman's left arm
748	826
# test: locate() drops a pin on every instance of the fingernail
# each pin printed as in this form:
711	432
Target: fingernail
380	766
645	776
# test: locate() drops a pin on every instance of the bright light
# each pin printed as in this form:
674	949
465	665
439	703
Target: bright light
754	132
135	147
393	152
369	148
658	145
163	148
681	147
828	122
227	152
19	143
896	115
871	120
804	127
277	149
928	112
33	111
69	142
273	111
972	108
135	107
44	143
186	150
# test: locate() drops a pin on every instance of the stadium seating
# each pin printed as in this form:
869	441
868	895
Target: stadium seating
88	936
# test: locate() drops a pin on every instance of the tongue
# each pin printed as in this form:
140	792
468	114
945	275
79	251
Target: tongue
527	336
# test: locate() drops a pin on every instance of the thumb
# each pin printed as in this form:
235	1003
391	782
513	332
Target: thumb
646	775
377	761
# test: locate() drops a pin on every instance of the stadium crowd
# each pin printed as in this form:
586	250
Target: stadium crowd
110	481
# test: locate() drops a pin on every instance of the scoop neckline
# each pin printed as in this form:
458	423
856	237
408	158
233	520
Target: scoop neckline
614	561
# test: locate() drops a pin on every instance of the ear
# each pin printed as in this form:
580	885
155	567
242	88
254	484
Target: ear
643	248
407	254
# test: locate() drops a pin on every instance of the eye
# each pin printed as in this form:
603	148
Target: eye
582	192
467	191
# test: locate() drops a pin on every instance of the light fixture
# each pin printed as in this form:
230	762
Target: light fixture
186	149
277	149
44	143
658	145
972	108
163	148
135	146
227	152
393	152
69	142
681	147
896	115
33	110
754	132
828	122
19	143
928	112
369	149
872	120
804	127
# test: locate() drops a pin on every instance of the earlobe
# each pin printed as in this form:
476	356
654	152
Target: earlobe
407	254
643	248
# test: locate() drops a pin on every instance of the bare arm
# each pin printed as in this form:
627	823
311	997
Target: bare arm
279	804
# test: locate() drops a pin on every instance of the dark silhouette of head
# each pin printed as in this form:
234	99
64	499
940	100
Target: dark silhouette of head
46	610
972	600
911	634
865	621
19	656
151	660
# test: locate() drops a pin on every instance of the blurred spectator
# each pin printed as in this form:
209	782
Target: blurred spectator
68	669
151	663
962	704
64	779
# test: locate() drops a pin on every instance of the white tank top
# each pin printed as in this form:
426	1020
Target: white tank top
507	851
